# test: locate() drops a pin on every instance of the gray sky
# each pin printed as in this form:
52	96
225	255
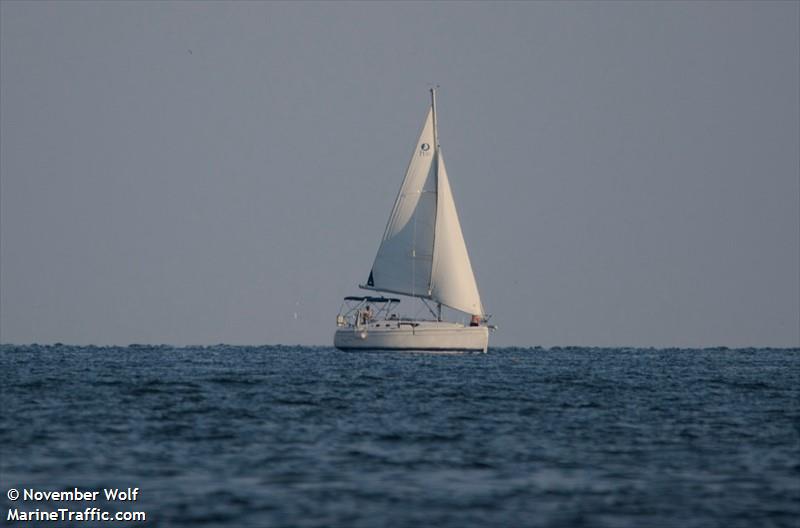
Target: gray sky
197	173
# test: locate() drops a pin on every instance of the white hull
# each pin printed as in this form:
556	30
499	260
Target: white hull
431	336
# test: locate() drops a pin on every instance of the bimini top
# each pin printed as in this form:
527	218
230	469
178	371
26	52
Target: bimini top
373	299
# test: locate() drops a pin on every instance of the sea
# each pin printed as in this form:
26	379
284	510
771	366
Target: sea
287	436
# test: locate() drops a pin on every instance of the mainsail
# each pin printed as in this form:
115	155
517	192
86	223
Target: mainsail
423	253
405	257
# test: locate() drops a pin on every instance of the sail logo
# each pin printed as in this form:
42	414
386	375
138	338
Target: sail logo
425	147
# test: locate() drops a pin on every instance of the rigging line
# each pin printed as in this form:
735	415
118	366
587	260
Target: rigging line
428	306
434	260
435	168
414	253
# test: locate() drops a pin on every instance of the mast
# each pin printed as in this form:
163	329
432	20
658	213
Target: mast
435	127
435	170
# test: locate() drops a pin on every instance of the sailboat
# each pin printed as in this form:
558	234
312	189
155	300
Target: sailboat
422	255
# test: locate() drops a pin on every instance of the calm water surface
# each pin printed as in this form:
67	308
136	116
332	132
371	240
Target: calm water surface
293	436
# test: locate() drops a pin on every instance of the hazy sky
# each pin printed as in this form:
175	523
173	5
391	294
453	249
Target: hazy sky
197	173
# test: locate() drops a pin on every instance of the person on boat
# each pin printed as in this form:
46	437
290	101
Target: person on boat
475	321
366	314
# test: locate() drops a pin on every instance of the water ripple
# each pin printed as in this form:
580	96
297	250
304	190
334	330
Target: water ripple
289	436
